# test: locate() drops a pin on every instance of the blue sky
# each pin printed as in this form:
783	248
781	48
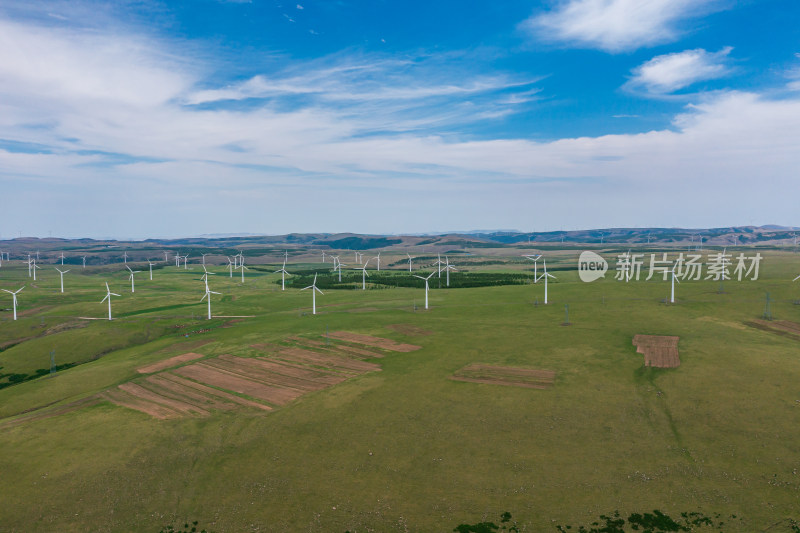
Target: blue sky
147	119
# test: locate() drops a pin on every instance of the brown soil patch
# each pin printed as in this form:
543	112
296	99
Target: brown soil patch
182	393
506	375
660	351
265	376
362	353
409	329
784	328
123	399
142	393
285	370
327	361
237	383
169	363
214	392
376	342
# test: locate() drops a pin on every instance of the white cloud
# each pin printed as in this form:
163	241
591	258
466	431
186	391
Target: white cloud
145	152
615	25
671	72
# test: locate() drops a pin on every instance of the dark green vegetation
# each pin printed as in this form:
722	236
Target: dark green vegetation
405	448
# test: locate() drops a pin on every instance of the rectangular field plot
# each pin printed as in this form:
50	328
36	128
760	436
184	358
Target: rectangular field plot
375	342
660	351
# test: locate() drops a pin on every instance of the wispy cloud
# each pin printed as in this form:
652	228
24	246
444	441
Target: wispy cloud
671	72
615	25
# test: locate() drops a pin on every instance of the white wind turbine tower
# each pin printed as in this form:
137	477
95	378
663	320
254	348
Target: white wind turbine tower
339	265
14	297
378	258
204	257
535	258
84	261
243	268
426	286
35	266
131	276
177	260
283	272
29	265
62	259
364	275
672	293
62	272
409	261
230	266
125	257
447	268
314	291
109	294
208	294
151	269
545	276
166	256
185	261
205	275
439	264
323	256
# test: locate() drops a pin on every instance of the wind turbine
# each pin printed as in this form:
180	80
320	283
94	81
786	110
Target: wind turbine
109	294
62	278
208	294
125	257
364	275
166	256
241	266
426	286
409	261
177	260
439	264
84	261
535	258
204	257
151	269
323	256
230	266
29	265
339	265
34	270
545	276
185	260
14	296
378	257
672	293
204	277
448	267
283	272
313	288
62	258
131	276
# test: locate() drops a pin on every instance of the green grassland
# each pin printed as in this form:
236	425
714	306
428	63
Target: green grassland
406	448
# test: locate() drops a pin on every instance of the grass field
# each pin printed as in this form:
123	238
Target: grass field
405	448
